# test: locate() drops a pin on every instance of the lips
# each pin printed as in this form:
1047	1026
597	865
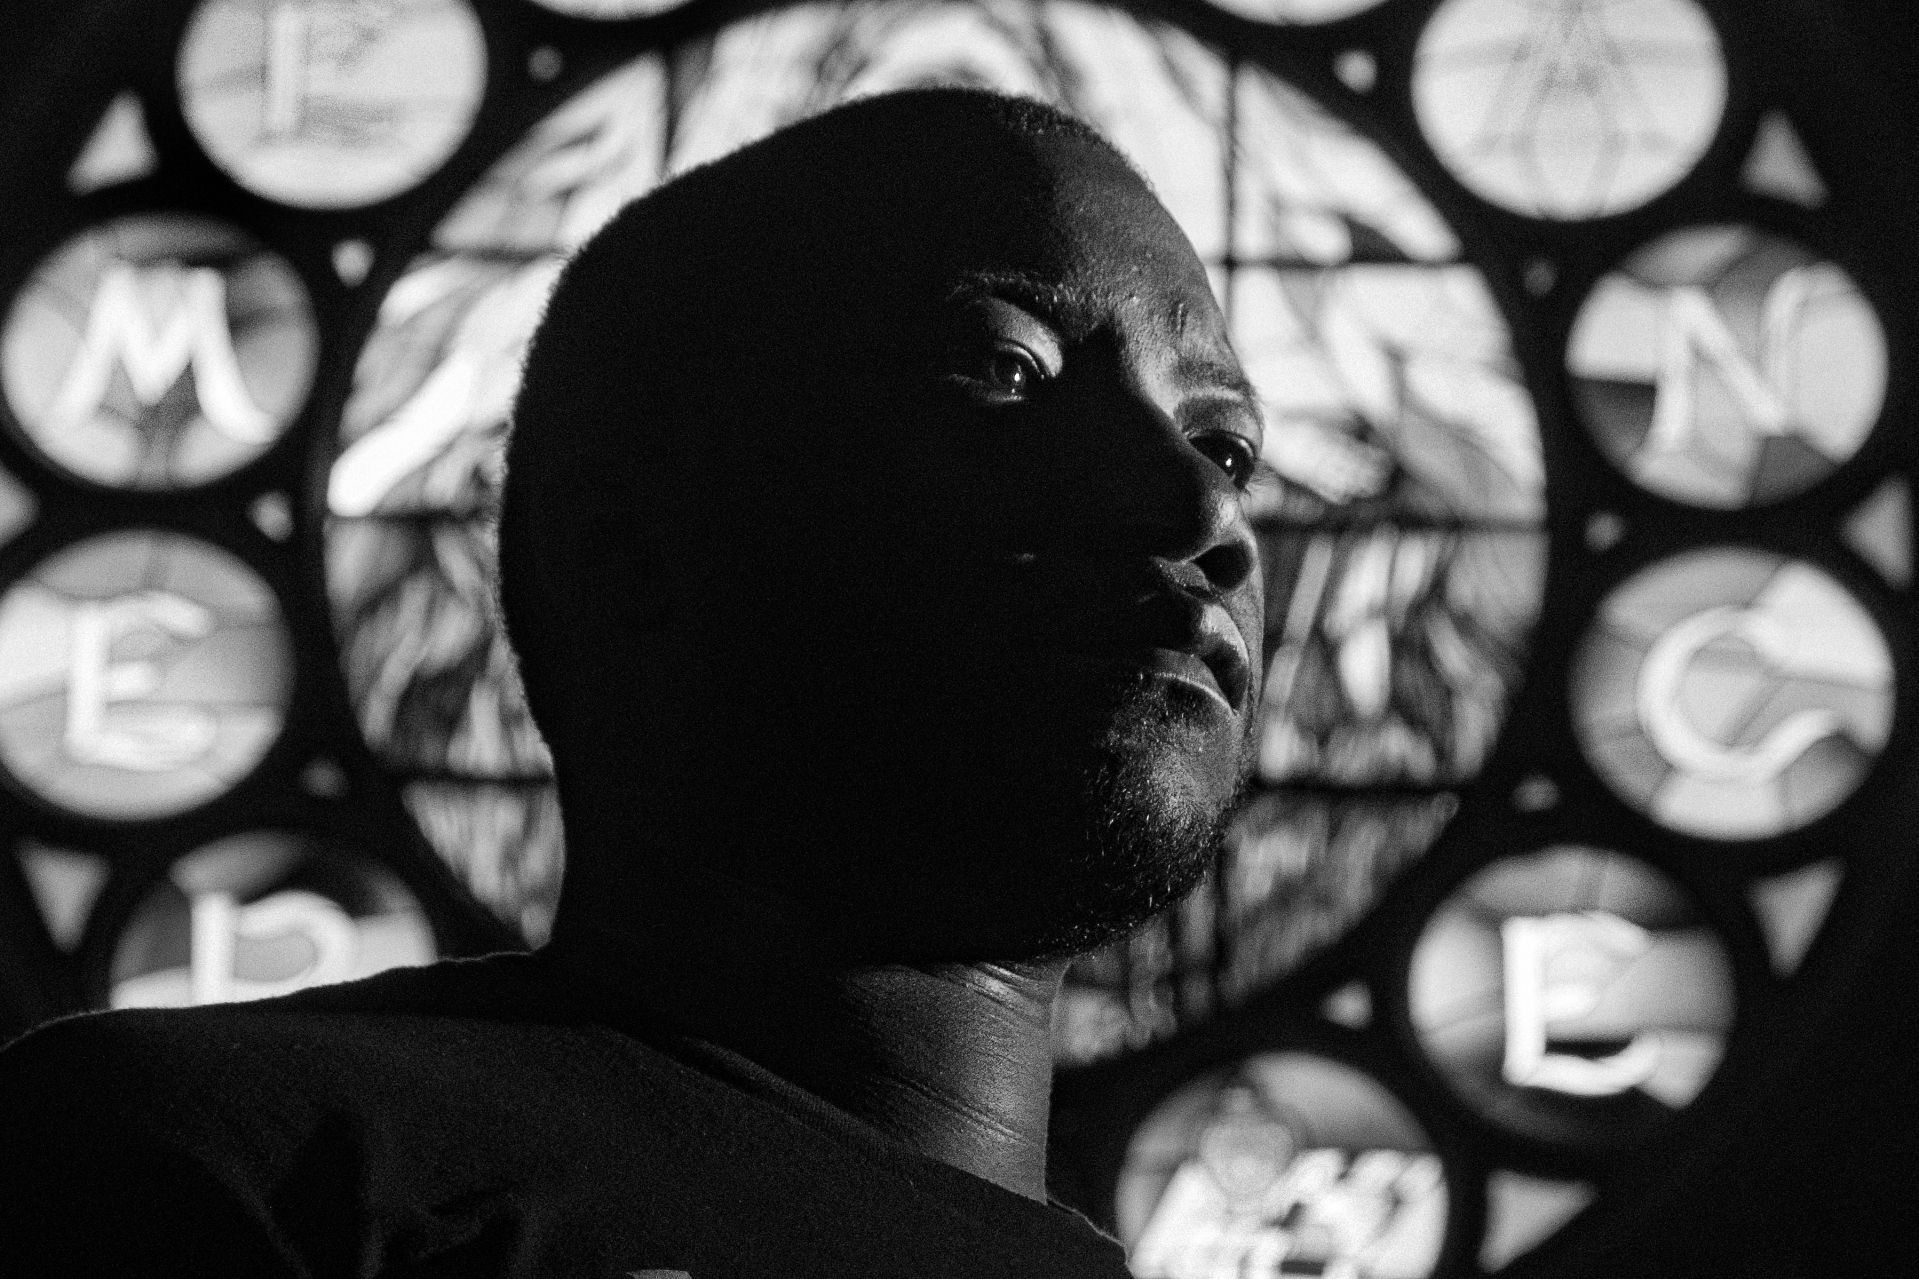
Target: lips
1222	649
1114	618
1209	657
1186	668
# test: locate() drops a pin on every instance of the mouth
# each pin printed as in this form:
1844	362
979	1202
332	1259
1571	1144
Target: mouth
1152	625
1189	670
1212	663
1219	650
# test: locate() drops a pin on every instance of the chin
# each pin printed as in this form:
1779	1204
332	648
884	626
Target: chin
1048	850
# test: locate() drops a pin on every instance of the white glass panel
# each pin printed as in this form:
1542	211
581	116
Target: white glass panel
1571	996
1779	165
426	667
65	884
120	149
1155	92
1291	1163
1296	10
158	351
1311	188
1880	529
1523	1212
1733	693
610	8
1393	386
1569	110
141	673
331	103
504	842
1724	366
263	914
1792	909
434	385
571	172
1391	653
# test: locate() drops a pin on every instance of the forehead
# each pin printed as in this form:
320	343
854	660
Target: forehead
1095	248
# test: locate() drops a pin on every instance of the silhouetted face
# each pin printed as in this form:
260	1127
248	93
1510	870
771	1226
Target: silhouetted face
995	664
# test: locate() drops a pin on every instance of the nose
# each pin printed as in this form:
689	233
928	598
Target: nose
1158	495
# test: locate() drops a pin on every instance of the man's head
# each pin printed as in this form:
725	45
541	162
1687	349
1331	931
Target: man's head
872	535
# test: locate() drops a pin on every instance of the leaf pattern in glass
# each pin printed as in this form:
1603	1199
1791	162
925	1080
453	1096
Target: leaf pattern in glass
1392	652
429	673
1391	390
504	842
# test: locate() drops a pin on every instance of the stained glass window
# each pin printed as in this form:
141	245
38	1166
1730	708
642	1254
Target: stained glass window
1588	559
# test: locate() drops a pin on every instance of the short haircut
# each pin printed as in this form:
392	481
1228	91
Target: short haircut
693	322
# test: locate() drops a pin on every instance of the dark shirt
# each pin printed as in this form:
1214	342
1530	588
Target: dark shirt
474	1118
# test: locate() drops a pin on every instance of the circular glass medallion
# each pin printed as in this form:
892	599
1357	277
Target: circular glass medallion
1571	996
158	351
1302	11
262	914
141	673
1291	1163
1725	366
1569	110
609	8
1733	693
331	103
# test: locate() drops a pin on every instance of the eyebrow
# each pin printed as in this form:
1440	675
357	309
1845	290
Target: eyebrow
1059	304
1053	302
1200	371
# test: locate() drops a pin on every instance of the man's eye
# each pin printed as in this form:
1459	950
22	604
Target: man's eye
1232	453
1003	372
1011	371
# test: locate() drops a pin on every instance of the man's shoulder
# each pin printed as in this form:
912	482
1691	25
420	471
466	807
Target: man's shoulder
472	1095
386	1035
408	1084
398	1114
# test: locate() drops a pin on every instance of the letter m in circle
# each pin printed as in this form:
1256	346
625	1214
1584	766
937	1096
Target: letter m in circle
154	323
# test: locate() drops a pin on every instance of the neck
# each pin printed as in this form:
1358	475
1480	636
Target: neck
954	1059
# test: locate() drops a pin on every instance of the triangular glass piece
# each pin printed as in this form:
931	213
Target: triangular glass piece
1791	907
1351	1006
1880	529
120	149
18	506
1522	1212
1787	464
64	885
1778	164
